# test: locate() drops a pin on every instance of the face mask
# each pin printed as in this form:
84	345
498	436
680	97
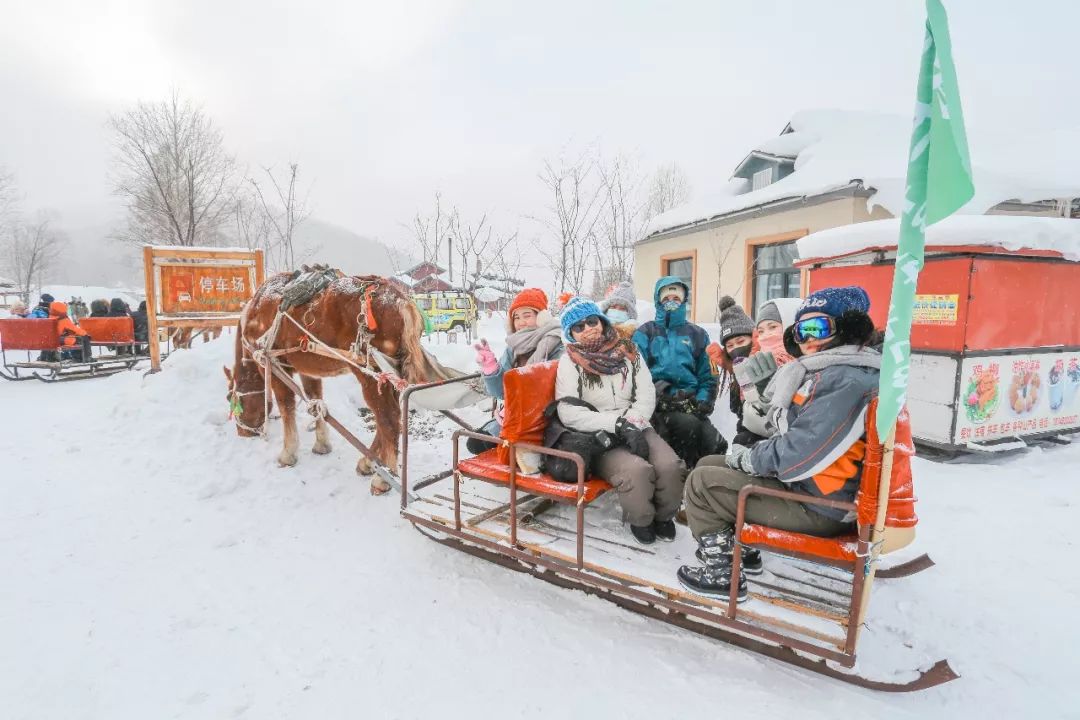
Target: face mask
739	354
771	343
671	305
618	316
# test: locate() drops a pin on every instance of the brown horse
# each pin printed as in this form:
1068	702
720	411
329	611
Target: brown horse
368	308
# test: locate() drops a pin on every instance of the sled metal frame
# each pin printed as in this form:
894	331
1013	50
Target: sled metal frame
771	636
64	370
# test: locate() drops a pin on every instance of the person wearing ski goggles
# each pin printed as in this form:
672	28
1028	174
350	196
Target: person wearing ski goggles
817	405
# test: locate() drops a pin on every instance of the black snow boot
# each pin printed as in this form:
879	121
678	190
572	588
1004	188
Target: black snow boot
715	549
711	581
664	530
643	534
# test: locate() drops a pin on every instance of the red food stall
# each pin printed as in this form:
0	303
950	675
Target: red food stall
995	339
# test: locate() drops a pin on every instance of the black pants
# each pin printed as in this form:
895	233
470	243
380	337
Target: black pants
491	427
692	437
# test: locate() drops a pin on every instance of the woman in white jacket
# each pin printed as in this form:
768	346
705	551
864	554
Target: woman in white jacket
605	371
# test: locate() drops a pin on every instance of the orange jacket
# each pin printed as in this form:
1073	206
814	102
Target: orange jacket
68	330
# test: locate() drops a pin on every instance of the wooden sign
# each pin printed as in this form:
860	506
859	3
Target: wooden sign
196	287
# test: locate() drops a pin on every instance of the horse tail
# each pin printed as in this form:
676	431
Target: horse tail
413	363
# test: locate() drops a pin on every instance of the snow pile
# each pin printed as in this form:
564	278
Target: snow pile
835	148
1011	232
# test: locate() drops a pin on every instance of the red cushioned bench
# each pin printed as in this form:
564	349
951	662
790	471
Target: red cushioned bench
109	330
527	392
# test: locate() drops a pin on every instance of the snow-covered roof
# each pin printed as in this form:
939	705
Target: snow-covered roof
405	279
835	148
1011	232
5	282
488	294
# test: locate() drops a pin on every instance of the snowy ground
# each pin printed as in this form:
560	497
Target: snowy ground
155	565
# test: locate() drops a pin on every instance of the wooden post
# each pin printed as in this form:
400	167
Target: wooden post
151	309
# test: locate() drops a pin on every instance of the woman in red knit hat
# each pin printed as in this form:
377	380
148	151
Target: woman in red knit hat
533	336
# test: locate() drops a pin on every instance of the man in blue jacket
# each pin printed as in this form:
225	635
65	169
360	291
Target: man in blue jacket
674	350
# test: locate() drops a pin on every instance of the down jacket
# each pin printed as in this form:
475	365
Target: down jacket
674	349
614	398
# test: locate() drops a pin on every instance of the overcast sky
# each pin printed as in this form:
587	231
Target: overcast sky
385	103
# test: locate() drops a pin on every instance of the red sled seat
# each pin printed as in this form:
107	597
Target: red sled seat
29	334
527	391
109	330
487	466
900	516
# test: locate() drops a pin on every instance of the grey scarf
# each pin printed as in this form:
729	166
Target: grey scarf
538	342
790	377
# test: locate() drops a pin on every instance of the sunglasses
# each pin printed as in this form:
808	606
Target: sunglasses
815	328
591	321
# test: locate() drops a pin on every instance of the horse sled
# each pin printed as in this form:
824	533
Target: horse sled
807	609
45	351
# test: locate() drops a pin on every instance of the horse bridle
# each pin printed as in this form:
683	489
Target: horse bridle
234	399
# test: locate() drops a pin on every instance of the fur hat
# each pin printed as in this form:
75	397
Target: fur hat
733	320
46	299
622	294
835	301
577	310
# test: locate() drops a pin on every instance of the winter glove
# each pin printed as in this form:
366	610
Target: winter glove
753	374
637	421
633	437
738	458
703	409
485	358
755	417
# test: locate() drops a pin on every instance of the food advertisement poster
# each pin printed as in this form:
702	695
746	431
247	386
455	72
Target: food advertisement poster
1006	396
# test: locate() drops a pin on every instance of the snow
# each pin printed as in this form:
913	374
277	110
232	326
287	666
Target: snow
836	148
156	565
488	294
1011	232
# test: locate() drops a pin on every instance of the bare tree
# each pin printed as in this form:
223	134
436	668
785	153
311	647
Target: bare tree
31	251
722	249
571	221
172	168
622	222
282	215
669	188
9	201
429	230
251	227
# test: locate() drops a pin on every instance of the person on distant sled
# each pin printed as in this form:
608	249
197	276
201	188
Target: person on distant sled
74	340
814	411
604	397
686	388
533	336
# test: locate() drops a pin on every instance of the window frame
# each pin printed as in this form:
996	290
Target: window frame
751	275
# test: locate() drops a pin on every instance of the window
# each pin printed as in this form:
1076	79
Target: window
774	276
682	268
762	178
462	303
443	303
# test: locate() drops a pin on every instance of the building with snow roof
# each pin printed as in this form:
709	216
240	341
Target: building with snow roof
826	168
423	277
10	294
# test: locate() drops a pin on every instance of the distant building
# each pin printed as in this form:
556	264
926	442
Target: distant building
423	277
10	294
826	168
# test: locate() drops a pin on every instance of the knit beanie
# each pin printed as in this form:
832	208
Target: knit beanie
623	294
534	298
835	301
577	310
733	321
781	310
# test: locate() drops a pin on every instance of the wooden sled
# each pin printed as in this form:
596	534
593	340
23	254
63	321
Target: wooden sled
806	609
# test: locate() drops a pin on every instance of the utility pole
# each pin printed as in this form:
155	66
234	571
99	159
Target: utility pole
450	258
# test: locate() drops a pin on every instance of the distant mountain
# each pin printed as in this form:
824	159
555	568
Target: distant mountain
90	257
323	242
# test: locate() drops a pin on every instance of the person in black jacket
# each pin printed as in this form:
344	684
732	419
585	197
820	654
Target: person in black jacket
142	328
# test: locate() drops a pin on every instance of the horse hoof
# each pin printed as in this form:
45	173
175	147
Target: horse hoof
379	488
364	467
321	448
287	459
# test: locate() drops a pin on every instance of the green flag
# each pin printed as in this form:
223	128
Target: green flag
938	184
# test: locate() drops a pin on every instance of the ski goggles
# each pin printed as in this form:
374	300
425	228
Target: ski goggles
591	321
815	328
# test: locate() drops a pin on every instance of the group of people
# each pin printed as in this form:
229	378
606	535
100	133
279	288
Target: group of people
635	403
74	340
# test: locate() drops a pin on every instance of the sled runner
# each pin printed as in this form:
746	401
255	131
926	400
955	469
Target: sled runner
40	340
807	609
